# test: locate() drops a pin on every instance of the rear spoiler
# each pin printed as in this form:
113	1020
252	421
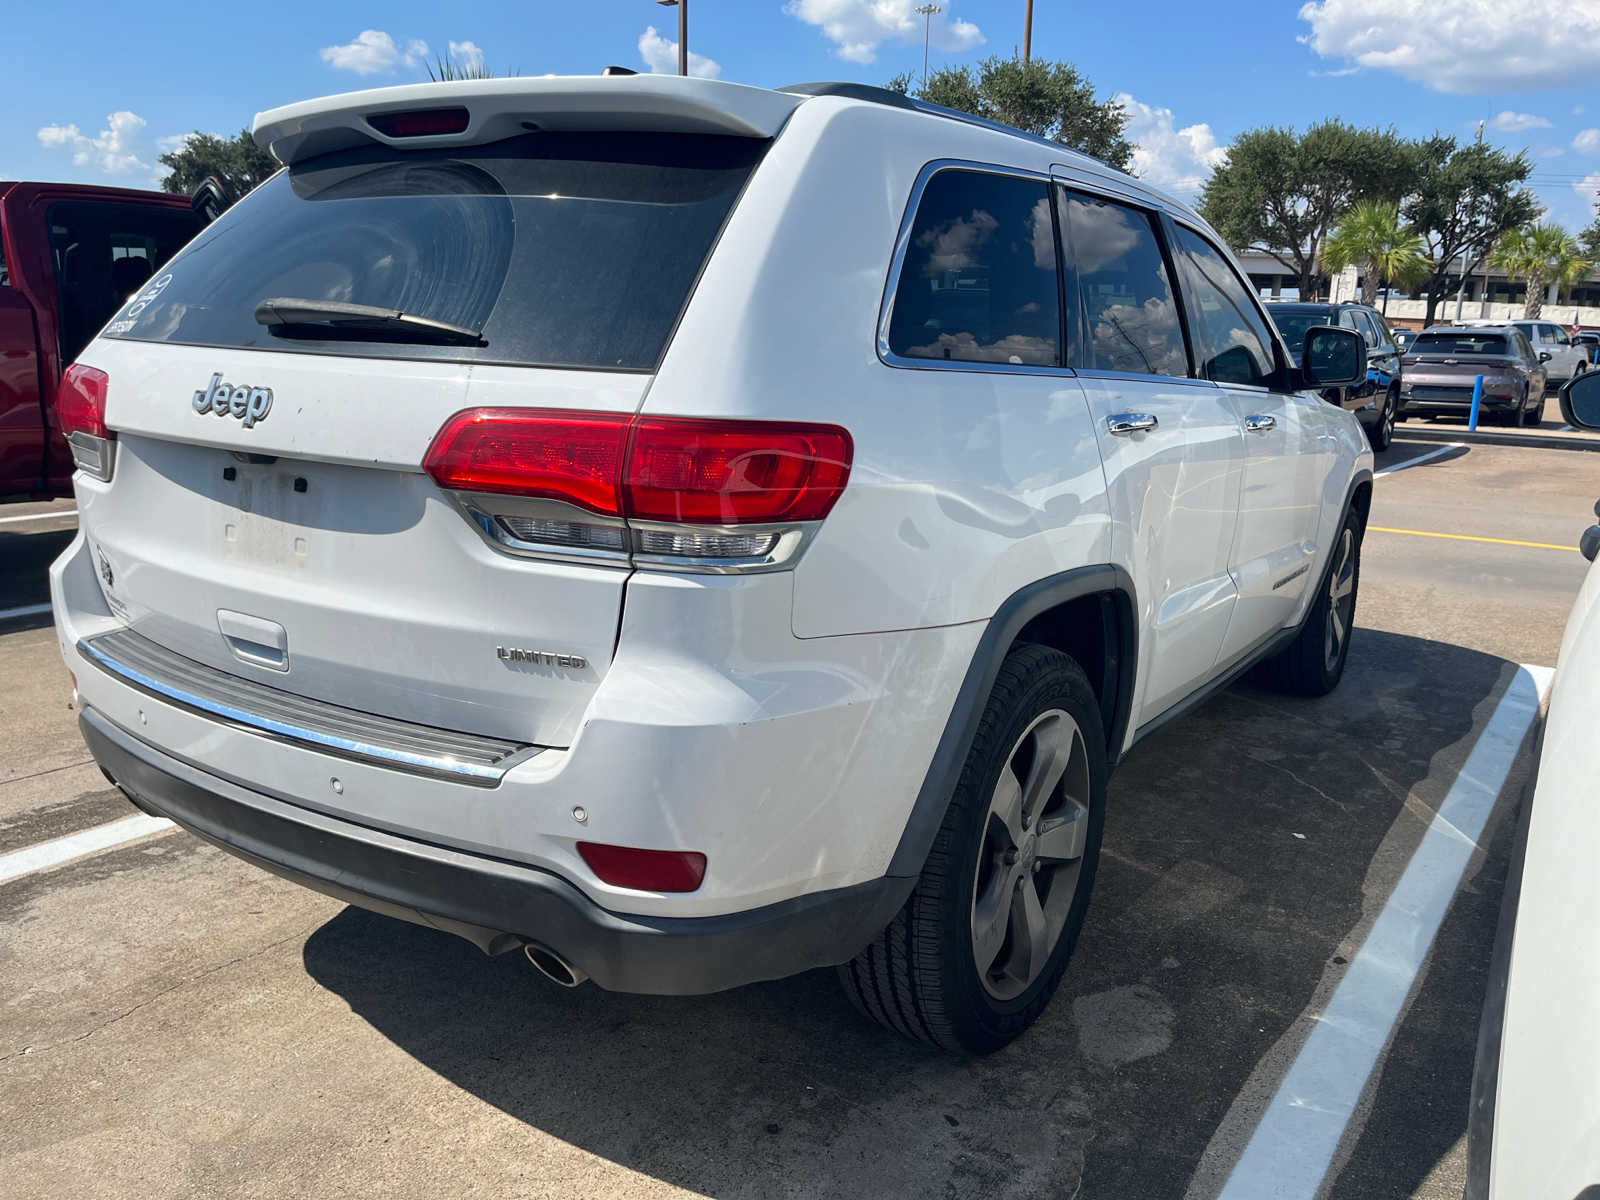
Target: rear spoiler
501	108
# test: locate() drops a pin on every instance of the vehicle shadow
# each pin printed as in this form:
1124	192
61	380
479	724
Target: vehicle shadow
25	559
1239	852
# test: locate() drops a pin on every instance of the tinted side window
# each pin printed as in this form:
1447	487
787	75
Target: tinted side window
1129	313
978	283
1556	334
1232	343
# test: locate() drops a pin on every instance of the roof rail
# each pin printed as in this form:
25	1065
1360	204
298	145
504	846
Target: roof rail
852	91
878	95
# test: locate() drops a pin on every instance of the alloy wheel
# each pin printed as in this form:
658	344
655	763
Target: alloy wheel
1341	599
1031	858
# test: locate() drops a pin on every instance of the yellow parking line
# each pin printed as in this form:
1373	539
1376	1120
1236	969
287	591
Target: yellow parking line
1467	537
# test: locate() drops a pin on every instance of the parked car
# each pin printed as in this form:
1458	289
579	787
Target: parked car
70	255
1444	362
1588	342
572	581
1565	359
1535	1107
1403	338
1376	400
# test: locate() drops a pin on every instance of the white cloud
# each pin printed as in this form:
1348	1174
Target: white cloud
111	150
1515	122
466	54
374	51
1589	189
858	27
1587	141
1178	160
1468	46
661	56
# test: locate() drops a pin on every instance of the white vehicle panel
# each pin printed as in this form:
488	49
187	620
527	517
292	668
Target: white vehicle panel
1546	1138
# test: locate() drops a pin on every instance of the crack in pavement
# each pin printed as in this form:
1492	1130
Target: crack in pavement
145	1003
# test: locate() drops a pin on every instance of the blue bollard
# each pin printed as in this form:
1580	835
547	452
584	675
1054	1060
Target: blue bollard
1477	398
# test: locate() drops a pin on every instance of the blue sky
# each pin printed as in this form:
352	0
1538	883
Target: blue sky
94	91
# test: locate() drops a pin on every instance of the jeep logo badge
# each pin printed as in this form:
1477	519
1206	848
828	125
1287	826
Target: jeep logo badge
247	404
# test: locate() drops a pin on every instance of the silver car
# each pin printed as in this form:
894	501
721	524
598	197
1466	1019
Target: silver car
1566	358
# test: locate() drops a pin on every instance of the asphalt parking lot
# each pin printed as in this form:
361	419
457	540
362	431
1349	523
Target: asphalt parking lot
176	1023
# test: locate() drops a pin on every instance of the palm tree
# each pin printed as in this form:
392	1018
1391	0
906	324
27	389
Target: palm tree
1373	236
1539	255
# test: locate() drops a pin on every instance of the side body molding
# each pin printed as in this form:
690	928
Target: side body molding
927	812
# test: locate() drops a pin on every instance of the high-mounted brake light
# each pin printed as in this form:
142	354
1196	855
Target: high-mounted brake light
646	870
81	410
670	478
421	122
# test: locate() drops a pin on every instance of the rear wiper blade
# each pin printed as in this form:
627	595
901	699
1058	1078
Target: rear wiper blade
288	316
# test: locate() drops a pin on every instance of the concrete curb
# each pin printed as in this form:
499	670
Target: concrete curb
1495	437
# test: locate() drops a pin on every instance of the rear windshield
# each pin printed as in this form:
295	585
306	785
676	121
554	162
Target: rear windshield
562	249
1460	343
1293	324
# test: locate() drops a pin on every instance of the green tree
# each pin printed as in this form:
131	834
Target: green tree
1373	237
1539	255
1048	99
1280	192
1590	237
1463	198
237	163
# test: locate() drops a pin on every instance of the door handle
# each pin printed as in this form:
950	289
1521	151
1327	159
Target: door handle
1130	422
1259	423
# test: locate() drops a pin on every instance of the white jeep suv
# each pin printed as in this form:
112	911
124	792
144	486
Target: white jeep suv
692	532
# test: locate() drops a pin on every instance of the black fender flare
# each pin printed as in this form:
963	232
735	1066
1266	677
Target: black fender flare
933	798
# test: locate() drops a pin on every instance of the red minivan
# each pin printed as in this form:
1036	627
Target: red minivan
70	255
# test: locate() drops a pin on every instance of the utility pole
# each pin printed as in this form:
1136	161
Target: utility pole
927	11
683	32
1027	33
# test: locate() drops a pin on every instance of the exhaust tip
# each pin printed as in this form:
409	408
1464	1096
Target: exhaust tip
552	966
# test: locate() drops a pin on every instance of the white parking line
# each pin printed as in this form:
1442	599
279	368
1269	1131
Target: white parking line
1298	1135
44	516
27	610
76	845
1417	462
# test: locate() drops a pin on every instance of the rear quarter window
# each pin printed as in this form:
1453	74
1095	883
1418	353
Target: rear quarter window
562	249
978	282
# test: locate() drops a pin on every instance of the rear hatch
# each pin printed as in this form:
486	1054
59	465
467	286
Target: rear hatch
269	513
1445	366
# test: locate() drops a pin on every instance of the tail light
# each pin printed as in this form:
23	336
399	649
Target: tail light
684	492
81	410
646	870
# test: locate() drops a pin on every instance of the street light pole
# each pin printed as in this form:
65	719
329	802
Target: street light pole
927	11
683	32
1027	33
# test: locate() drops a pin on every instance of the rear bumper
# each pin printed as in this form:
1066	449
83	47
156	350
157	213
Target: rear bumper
494	903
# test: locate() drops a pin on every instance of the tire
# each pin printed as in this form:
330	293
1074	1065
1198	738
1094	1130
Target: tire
1313	663
1533	416
1381	435
921	976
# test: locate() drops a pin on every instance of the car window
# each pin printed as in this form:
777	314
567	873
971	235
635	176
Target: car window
979	280
1558	335
564	249
1130	316
1293	323
1520	343
1463	341
91	242
1366	327
1347	318
1232	342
